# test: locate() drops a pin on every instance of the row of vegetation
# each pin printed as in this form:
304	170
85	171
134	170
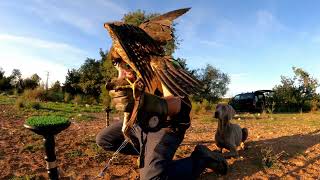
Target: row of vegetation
296	94
86	84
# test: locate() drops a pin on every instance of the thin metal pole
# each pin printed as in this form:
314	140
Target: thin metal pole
114	155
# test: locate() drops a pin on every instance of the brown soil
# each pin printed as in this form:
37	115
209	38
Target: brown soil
294	151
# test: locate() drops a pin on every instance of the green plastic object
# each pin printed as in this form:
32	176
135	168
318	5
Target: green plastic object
47	125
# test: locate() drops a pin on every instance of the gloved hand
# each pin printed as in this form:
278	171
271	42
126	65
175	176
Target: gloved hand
126	117
122	100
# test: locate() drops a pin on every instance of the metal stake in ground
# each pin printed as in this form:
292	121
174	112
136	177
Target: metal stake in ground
50	157
107	110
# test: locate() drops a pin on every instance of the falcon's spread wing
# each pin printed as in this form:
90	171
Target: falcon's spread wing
175	78
140	47
160	27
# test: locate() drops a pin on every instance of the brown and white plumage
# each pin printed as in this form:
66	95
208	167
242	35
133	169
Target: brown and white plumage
141	48
160	27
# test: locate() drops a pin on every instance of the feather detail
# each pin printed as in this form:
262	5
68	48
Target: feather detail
159	28
176	85
179	73
145	55
135	47
170	16
168	84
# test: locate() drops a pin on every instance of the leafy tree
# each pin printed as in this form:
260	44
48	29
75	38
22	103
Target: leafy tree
29	83
16	73
71	84
16	80
36	78
91	78
306	86
284	94
108	70
1	73
4	81
293	93
56	87
215	84
137	17
183	63
16	77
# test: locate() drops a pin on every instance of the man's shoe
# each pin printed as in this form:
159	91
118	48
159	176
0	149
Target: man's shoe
212	160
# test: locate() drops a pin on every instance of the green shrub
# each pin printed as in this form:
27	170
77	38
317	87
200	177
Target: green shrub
307	106
314	105
77	99
89	100
67	97
38	94
35	105
105	97
55	96
196	107
206	105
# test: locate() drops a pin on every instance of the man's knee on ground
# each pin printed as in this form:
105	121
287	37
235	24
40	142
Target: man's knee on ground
102	142
153	172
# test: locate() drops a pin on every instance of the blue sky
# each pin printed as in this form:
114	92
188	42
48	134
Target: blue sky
255	42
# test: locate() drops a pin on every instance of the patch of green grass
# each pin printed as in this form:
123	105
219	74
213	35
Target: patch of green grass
28	177
34	104
70	111
74	154
72	108
32	148
5	99
43	121
83	117
208	119
31	108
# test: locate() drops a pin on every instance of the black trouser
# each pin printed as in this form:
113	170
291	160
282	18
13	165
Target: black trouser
158	149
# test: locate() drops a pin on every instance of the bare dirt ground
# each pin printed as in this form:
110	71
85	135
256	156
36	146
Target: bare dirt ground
291	142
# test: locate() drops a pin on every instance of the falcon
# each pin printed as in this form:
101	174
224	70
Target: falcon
141	49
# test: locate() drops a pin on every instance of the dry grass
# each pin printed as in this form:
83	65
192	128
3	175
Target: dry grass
290	141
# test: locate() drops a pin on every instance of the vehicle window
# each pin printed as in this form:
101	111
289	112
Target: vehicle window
260	96
247	96
237	97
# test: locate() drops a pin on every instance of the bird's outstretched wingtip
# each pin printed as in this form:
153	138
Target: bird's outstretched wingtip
171	15
186	9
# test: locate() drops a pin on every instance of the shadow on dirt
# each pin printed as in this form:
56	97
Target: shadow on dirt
188	143
292	146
